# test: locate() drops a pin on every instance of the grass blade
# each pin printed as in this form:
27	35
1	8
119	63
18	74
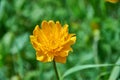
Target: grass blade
116	71
81	67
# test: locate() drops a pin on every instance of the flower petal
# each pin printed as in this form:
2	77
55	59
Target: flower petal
73	38
36	30
64	30
64	53
58	25
34	42
44	57
40	36
60	59
46	28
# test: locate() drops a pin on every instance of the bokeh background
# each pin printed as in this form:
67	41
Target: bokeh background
96	24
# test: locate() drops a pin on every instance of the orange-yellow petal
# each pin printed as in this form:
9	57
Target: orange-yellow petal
51	24
65	30
44	57
60	59
39	34
36	30
34	42
46	28
58	25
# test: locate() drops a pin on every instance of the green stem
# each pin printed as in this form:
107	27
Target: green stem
95	50
56	71
95	45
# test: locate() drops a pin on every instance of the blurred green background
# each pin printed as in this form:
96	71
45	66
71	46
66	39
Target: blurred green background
96	24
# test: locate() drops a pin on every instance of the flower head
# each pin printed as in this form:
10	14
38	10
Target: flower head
52	41
112	1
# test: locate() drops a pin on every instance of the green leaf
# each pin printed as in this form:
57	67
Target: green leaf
18	4
19	43
81	67
7	42
116	71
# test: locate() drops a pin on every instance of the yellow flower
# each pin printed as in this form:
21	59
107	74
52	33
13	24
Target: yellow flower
52	41
112	1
